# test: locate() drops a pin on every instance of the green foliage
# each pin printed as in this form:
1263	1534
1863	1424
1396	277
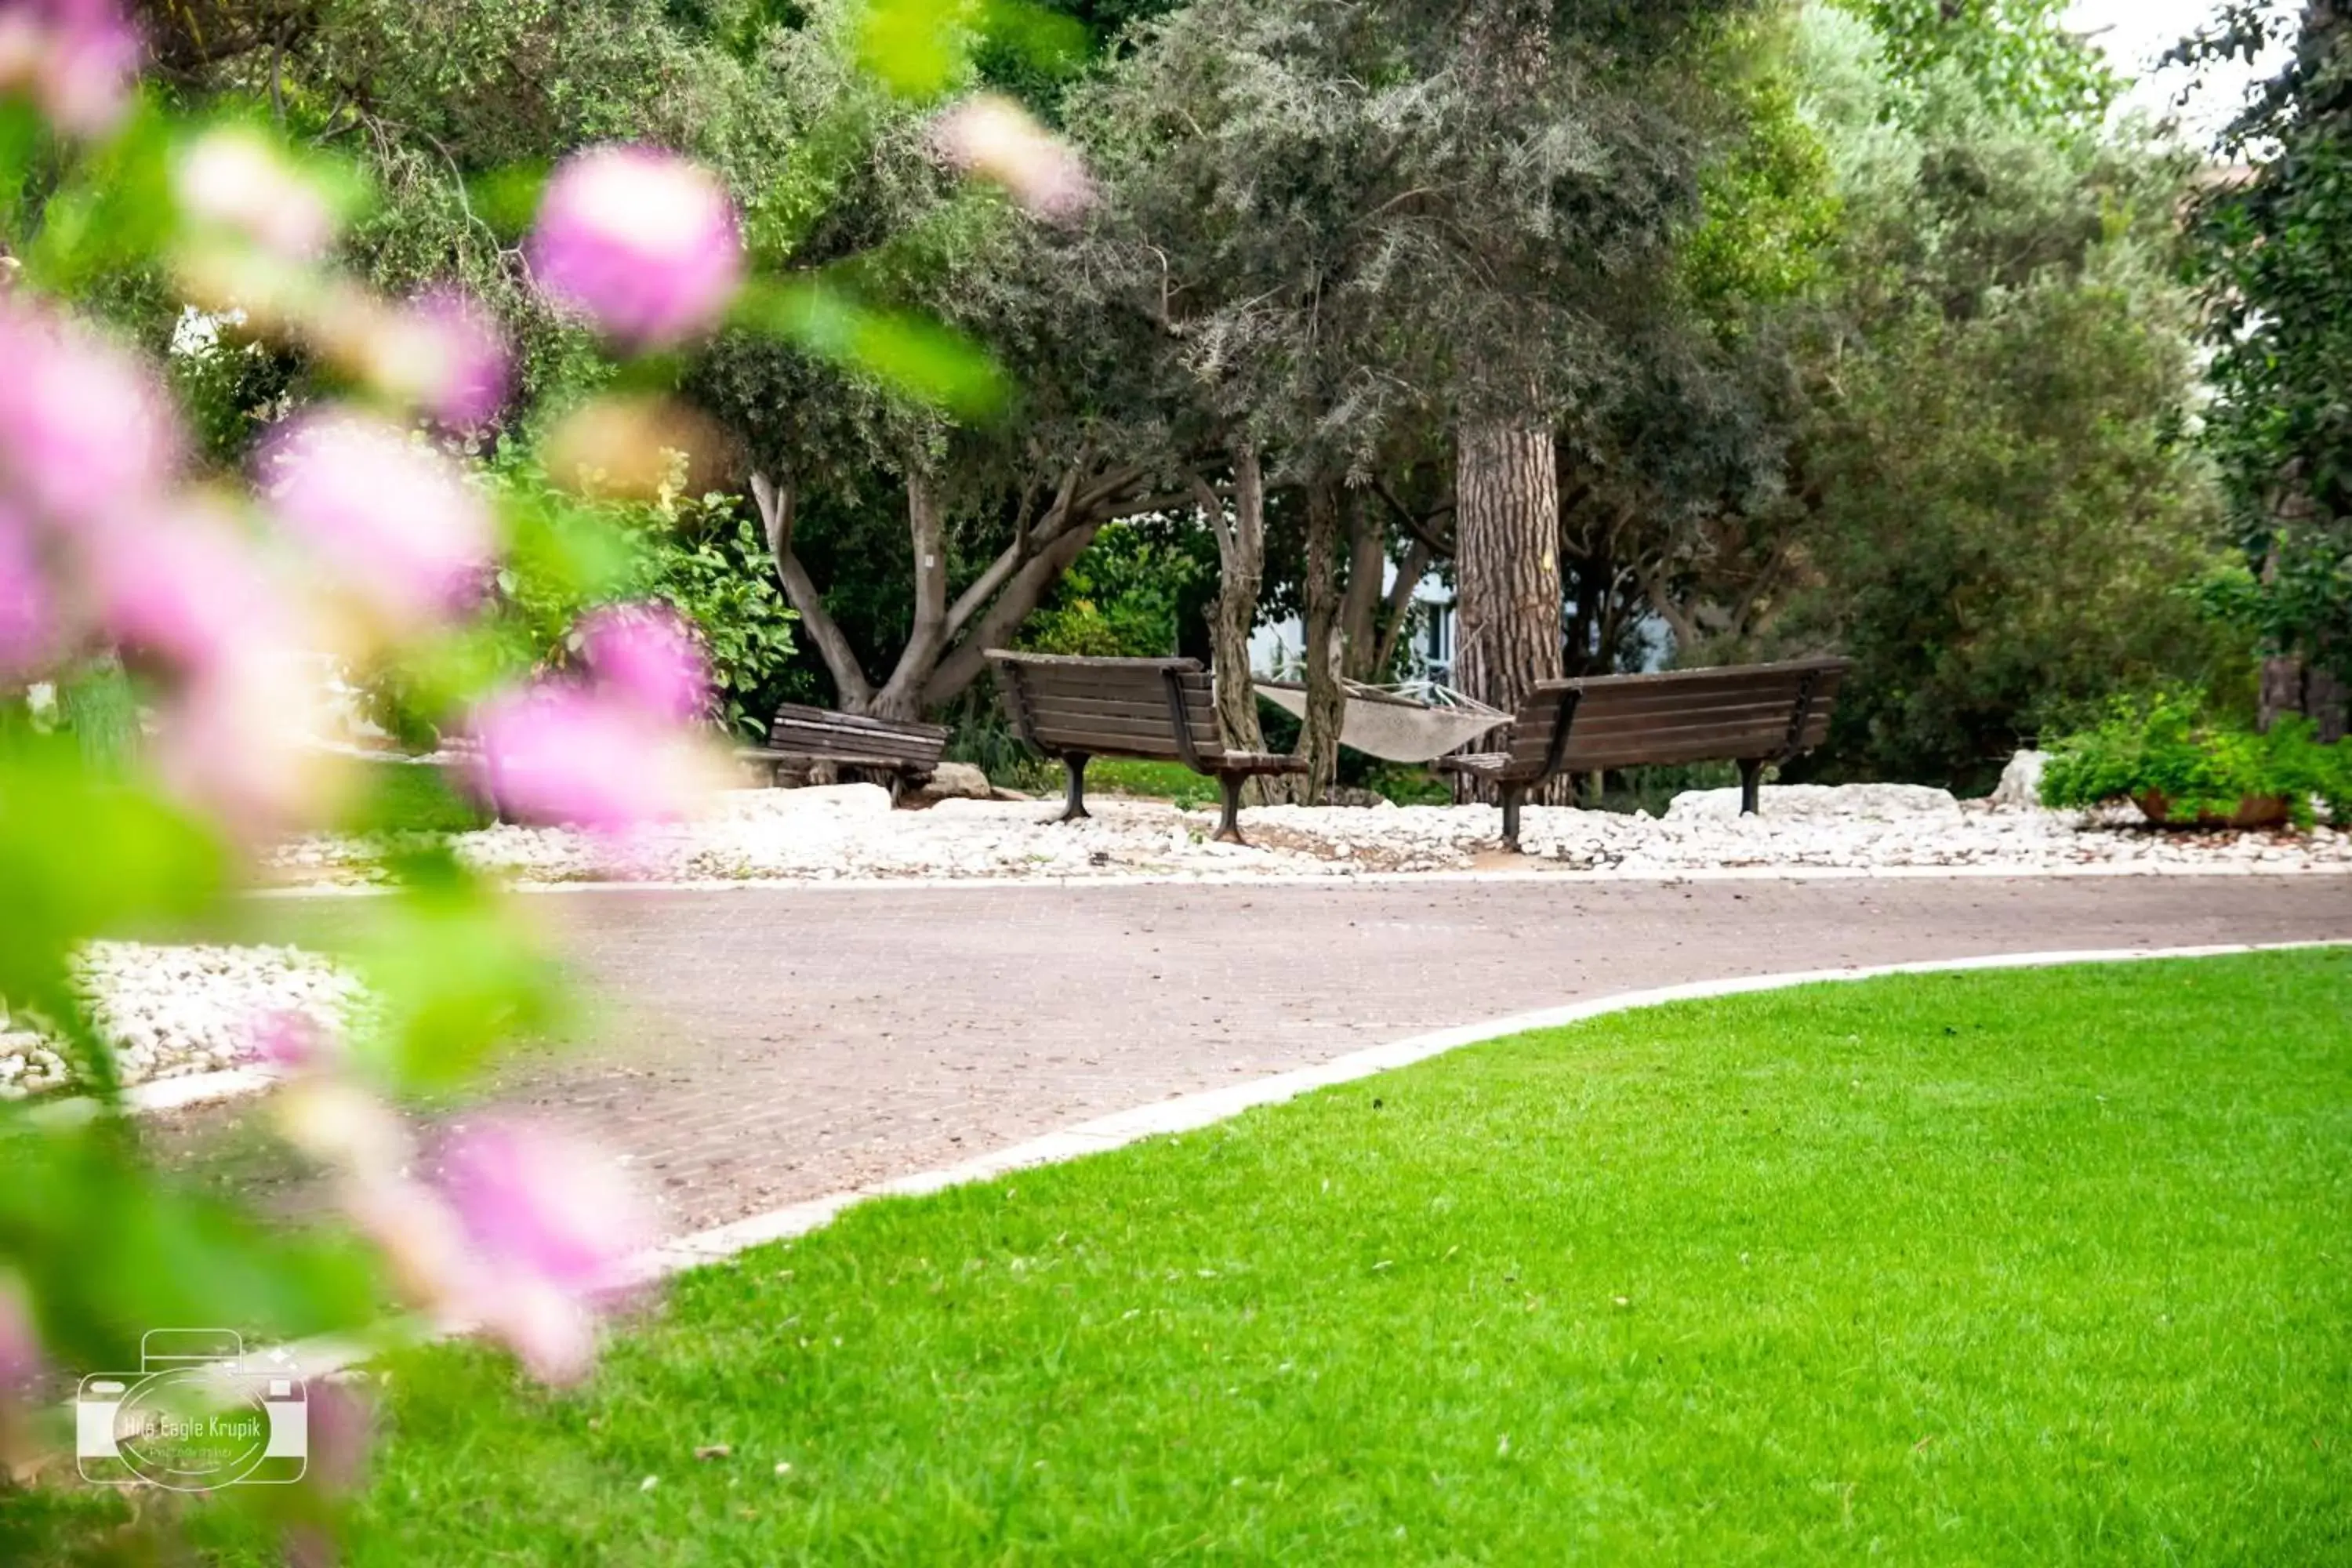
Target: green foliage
2016	1269
1770	203
2022	55
1121	597
2273	251
1992	505
1171	782
704	556
2167	745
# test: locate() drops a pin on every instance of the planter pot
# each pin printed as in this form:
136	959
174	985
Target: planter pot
2254	811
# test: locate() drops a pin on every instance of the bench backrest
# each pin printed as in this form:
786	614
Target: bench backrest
851	738
1763	711
1158	707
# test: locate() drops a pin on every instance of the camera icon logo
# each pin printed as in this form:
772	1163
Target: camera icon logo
198	1414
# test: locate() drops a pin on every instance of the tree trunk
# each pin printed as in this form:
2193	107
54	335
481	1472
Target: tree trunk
902	696
946	649
1240	574
1505	565
2294	686
1360	609
1318	736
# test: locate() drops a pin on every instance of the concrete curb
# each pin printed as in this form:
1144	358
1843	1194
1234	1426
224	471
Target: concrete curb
1359	879
1189	1112
1185	1113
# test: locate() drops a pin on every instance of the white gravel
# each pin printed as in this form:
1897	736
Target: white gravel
172	1011
849	833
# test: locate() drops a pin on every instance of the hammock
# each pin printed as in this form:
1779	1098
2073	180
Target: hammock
1389	723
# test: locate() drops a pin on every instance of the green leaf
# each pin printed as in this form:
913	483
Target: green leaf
920	358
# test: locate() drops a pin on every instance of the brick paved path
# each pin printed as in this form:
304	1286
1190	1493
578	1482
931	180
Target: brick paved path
761	1045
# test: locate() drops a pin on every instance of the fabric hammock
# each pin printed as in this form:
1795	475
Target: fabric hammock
1391	725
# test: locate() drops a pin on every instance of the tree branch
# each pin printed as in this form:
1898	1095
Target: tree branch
927	532
840	660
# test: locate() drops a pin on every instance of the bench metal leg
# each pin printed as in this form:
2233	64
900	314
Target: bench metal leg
1512	796
1229	827
1751	780
1075	762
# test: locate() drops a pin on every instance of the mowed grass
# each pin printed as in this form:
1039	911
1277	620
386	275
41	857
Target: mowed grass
2036	1268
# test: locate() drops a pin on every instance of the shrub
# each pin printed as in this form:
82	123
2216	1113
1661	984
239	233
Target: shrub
2163	746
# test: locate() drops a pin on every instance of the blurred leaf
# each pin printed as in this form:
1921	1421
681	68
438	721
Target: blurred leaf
455	976
1051	41
915	48
82	855
21	141
114	211
112	1250
919	357
508	198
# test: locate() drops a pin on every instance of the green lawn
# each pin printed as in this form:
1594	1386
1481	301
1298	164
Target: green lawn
2034	1268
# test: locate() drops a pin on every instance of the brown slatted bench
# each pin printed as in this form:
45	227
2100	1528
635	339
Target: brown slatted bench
908	751
1751	714
1159	708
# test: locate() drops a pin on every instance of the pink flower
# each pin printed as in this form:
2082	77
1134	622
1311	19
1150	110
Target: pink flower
535	1202
647	656
182	582
642	241
235	178
288	1038
443	353
77	56
21	1360
84	426
28	615
557	753
390	517
422	1241
997	139
236	742
342	1434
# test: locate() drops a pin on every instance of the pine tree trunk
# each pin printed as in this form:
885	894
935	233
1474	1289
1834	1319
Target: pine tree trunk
1318	736
1505	565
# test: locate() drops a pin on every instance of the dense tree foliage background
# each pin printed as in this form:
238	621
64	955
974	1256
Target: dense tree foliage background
2275	250
1852	325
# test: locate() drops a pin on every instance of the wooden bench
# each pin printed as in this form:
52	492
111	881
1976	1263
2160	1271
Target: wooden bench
1160	709
908	751
1751	714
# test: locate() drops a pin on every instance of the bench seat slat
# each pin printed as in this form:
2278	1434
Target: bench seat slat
800	733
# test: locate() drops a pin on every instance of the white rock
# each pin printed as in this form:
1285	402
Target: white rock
2021	782
1788	804
962	780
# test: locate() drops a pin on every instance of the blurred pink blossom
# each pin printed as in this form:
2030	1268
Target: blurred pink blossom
288	1038
84	424
991	136
181	582
537	1201
443	353
76	57
641	240
341	1431
236	741
21	1359
562	753
27	610
421	1238
232	177
393	519
647	656
552	1333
